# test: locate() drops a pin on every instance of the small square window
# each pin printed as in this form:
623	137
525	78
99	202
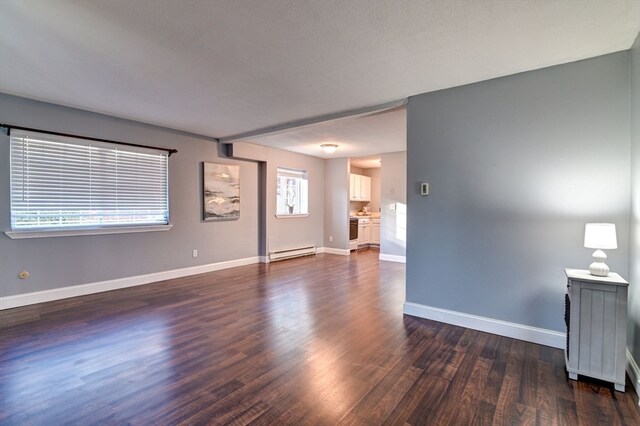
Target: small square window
292	192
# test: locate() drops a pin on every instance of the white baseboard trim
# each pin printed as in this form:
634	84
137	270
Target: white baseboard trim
9	302
263	259
527	333
330	250
634	373
392	258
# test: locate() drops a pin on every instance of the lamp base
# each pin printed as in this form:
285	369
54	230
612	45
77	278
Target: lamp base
598	267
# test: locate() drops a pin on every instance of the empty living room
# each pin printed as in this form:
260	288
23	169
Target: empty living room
285	212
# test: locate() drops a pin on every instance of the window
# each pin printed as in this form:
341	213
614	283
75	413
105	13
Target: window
292	192
63	183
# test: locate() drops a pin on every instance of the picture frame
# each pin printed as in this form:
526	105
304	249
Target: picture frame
220	192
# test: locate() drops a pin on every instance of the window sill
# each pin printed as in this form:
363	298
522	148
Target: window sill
18	235
291	216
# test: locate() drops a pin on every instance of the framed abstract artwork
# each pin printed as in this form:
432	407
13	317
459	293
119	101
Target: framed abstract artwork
221	192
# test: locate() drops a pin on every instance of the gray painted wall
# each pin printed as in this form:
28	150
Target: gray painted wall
92	258
393	190
517	166
336	202
285	232
294	232
634	264
65	261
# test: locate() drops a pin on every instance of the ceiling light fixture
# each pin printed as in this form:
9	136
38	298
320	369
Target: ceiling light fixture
329	148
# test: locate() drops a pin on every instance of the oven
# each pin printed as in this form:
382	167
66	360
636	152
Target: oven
353	233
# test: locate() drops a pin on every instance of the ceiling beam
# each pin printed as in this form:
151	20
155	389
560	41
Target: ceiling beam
307	122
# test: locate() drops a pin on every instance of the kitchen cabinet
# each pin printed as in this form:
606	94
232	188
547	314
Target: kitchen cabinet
375	231
365	188
364	231
596	319
368	231
353	184
366	238
359	187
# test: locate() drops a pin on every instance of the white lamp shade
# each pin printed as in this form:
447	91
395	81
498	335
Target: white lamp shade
600	236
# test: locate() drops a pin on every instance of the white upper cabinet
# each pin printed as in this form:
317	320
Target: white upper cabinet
365	188
352	187
360	188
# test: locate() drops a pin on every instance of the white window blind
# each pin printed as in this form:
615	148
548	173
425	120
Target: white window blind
67	183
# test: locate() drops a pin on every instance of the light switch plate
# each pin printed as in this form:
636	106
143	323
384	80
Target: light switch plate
424	188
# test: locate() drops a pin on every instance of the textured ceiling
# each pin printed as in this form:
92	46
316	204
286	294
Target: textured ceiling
220	68
355	136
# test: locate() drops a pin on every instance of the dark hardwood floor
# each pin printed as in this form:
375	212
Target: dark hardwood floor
317	340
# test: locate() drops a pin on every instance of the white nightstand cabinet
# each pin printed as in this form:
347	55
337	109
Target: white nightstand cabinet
596	318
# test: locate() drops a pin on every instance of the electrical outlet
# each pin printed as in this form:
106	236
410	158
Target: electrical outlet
194	253
23	275
331	238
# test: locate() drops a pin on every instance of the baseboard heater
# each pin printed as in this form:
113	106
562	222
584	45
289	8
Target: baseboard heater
291	253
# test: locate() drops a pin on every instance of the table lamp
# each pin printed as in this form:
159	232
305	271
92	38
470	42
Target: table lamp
600	236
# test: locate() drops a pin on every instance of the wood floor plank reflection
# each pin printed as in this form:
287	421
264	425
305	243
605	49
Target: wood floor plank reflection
317	340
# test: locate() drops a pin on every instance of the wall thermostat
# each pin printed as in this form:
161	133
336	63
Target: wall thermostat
424	189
